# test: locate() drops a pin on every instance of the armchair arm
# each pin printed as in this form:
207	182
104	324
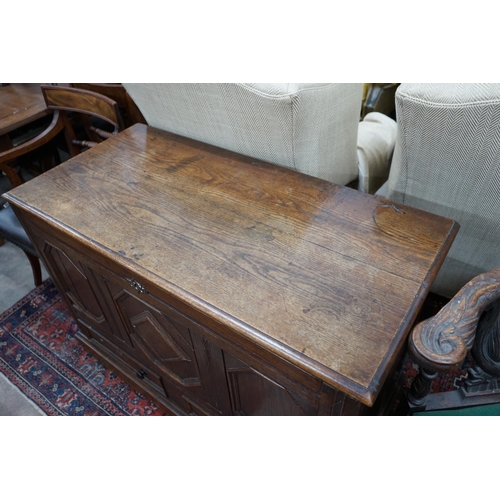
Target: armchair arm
14	178
56	126
376	141
442	342
50	132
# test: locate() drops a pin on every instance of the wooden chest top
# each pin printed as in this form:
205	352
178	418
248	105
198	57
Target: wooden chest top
326	277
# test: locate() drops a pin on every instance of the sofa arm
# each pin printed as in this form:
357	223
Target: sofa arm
376	141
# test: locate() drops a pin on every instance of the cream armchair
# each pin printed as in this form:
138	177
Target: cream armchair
310	127
447	161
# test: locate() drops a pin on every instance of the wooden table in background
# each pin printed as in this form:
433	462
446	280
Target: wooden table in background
218	284
20	104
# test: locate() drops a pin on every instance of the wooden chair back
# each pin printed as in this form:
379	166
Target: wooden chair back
116	91
87	104
83	101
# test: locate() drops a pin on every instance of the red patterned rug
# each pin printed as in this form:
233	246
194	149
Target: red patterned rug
39	354
445	381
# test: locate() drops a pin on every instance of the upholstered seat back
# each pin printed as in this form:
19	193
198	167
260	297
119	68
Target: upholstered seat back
447	161
309	127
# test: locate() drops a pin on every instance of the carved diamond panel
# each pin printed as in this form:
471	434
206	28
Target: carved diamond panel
161	341
156	340
252	393
78	289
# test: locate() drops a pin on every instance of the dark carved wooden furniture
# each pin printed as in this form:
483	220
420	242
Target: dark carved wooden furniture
10	228
117	92
87	104
469	322
220	285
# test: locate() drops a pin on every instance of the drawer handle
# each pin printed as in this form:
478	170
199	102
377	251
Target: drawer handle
141	374
136	285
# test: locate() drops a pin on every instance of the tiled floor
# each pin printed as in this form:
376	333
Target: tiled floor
16	277
13	403
16	281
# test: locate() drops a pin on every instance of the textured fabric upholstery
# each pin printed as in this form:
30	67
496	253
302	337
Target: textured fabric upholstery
376	141
309	127
447	161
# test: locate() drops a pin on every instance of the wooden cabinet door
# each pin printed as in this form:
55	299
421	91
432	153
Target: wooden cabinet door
155	348
71	276
257	390
187	368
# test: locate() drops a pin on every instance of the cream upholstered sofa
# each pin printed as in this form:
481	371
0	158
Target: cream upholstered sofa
310	127
447	161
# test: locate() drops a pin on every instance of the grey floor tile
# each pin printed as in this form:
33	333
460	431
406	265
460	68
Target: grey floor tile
14	403
16	281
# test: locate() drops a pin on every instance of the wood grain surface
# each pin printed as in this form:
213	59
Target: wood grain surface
328	278
20	103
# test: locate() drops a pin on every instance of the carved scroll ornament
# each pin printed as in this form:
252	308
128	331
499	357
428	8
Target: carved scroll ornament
486	348
442	342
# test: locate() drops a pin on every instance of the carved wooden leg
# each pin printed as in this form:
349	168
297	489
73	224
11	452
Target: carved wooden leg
420	389
413	399
35	267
